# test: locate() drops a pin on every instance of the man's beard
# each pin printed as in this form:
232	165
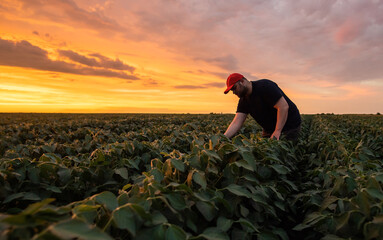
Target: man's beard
242	93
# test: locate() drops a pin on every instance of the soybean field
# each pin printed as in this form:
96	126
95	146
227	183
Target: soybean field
176	176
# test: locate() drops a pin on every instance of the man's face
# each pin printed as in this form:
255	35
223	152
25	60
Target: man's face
239	89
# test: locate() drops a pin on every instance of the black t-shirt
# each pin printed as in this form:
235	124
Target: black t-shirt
260	105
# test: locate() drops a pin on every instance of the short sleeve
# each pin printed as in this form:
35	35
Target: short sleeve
242	106
271	93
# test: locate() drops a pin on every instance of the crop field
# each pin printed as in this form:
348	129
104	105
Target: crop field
157	176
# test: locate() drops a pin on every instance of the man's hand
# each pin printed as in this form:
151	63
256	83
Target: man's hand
276	134
282	111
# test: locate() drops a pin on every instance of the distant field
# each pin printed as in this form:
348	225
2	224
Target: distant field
164	176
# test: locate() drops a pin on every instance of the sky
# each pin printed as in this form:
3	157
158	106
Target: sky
173	56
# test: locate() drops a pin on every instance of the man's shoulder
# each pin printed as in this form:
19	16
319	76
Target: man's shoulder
263	84
263	81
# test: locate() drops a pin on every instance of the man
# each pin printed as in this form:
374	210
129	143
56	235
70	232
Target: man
267	104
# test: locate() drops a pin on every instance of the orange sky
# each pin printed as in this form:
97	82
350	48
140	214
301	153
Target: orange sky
174	56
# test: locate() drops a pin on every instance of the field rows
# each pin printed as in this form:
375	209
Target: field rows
138	176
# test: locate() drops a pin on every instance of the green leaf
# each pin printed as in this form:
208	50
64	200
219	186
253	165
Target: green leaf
342	220
203	196
379	178
372	231
155	233
123	172
50	157
362	201
75	228
97	157
158	218
249	158
207	210
64	174
47	148
243	210
158	175
140	211
31	196
278	194
309	221
178	164
375	193
175	233
243	164
108	199
248	224
53	189
33	174
351	184
176	200
331	237
291	184
239	190
251	178
327	201
13	197
132	163
123	217
213	233
214	140
281	233
280	169
212	155
19	220
199	178
224	224
86	212
35	207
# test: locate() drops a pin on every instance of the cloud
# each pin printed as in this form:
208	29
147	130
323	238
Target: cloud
202	86
228	62
312	38
215	84
24	54
315	38
101	60
67	11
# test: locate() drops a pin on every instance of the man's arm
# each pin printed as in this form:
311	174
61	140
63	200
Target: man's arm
282	111
236	124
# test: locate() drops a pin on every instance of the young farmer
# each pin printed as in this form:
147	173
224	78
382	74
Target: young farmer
267	104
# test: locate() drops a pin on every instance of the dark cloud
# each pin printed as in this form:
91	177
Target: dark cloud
150	82
215	84
101	61
113	64
24	54
79	58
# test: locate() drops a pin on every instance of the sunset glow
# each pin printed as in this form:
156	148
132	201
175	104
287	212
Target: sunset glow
117	56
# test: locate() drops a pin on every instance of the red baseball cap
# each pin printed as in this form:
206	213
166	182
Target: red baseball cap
231	80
